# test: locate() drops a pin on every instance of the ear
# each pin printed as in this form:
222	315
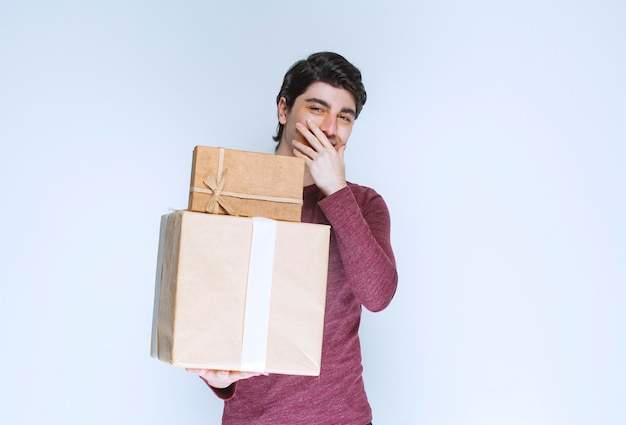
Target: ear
282	110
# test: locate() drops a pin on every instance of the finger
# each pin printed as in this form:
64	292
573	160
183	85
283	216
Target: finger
319	134
309	136
303	150
197	370
341	151
307	161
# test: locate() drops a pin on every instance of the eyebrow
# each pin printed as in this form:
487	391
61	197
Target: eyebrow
327	105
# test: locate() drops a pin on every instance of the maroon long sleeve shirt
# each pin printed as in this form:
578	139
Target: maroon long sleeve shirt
361	272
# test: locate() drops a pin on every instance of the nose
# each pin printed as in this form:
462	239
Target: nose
329	125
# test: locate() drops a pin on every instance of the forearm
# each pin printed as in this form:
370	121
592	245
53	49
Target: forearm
363	239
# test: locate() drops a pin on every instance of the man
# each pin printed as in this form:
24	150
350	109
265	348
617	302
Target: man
319	101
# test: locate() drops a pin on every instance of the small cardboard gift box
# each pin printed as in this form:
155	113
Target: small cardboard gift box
249	184
236	293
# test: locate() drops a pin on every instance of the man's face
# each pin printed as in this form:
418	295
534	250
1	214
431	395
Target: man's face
331	108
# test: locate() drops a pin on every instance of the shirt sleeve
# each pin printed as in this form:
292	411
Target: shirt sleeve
223	393
362	230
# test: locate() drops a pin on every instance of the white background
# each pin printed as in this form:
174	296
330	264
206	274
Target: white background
495	130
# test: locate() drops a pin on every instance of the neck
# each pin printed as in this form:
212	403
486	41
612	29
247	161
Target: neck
308	180
283	149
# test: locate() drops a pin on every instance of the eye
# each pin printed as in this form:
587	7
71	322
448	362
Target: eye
346	118
315	109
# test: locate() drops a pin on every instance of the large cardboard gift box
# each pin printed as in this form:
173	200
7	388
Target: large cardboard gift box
237	293
249	184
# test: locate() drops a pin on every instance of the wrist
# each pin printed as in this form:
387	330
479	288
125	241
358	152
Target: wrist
333	189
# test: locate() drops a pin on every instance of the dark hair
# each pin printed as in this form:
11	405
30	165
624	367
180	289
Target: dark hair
325	67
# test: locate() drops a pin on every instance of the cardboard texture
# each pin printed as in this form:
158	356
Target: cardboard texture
201	287
248	184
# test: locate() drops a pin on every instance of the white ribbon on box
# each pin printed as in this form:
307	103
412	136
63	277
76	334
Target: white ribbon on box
258	296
